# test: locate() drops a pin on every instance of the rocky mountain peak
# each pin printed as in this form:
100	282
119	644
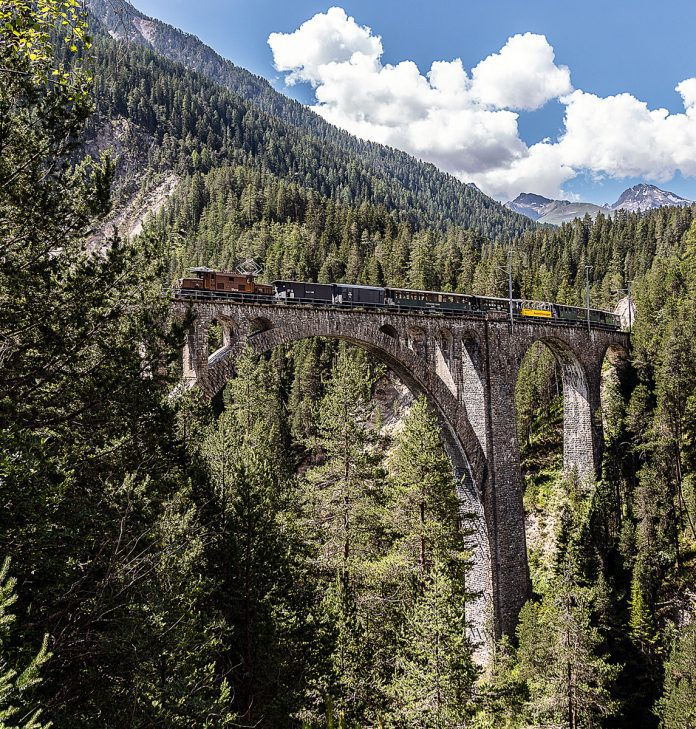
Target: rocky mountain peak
646	197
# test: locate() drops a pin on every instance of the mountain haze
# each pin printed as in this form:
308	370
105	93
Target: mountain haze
554	212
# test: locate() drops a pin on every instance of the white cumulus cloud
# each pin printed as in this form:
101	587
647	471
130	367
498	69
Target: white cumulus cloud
466	121
330	37
687	90
522	75
621	136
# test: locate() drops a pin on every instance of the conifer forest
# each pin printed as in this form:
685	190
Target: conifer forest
292	553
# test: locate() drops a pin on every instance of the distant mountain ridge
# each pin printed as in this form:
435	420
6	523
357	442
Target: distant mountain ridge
545	210
638	198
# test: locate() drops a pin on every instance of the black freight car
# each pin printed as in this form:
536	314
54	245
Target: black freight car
358	295
303	291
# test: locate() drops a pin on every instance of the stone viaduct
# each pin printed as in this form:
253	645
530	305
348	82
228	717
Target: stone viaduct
466	366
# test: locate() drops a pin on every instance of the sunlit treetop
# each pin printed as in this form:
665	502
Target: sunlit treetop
45	38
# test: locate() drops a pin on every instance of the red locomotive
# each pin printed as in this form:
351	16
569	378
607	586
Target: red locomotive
223	282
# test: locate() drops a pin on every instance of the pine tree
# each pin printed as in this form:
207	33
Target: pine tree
342	490
558	655
352	684
435	673
425	514
343	502
432	683
175	632
677	707
503	694
257	550
305	391
253	408
17	709
421	272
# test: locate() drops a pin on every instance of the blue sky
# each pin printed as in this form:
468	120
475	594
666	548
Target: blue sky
635	48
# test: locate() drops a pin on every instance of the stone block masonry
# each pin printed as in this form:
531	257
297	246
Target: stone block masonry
467	367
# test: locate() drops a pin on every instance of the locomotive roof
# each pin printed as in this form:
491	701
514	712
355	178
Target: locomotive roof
362	286
205	269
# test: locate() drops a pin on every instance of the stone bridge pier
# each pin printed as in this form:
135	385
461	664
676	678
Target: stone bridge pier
467	367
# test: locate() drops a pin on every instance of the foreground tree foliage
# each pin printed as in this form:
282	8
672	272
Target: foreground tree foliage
677	708
16	710
95	510
432	686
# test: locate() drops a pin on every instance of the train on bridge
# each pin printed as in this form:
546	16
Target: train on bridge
219	285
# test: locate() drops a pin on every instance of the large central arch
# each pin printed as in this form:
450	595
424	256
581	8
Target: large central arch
466	366
459	436
409	356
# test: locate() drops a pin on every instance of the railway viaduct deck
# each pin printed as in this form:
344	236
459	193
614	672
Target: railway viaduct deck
467	367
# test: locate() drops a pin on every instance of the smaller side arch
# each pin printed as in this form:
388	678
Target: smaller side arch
445	342
389	330
472	390
616	355
259	324
444	359
579	437
417	341
617	379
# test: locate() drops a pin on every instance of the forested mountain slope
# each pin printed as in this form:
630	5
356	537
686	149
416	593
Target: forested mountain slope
280	559
197	110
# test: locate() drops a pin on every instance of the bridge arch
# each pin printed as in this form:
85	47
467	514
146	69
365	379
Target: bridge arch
616	354
617	381
459	439
259	324
472	393
444	358
578	428
477	415
389	330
